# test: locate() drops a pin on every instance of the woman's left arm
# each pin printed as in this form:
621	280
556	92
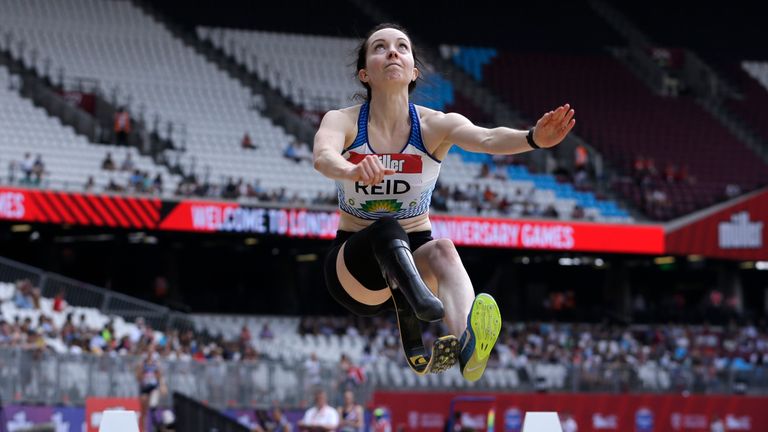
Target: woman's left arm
550	130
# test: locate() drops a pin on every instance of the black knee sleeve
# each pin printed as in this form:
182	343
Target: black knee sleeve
383	231
392	251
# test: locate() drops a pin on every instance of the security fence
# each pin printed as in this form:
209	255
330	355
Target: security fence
44	377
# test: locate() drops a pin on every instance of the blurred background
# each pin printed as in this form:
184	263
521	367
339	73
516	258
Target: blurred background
158	201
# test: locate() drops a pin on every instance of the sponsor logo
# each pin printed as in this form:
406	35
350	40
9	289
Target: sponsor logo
11	205
601	421
428	420
381	206
513	420
644	420
734	423
688	421
400	163
740	233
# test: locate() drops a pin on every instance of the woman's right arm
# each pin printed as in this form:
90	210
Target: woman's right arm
329	143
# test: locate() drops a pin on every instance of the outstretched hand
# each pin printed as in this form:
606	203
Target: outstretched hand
553	126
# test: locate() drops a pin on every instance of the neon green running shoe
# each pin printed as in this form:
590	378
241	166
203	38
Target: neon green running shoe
477	341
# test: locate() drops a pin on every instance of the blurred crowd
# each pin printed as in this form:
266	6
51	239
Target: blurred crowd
687	352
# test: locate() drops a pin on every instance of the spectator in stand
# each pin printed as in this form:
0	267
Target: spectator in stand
580	158
128	164
245	336
351	374
27	165
157	184
311	373
291	152
485	171
578	212
90	185
266	332
108	163
297	152
321	417
22	297
59	303
112	186
247	143
38	169
122	126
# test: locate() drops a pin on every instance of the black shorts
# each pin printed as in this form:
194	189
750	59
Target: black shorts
147	389
361	264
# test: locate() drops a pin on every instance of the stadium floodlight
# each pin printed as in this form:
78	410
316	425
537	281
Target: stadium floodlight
761	265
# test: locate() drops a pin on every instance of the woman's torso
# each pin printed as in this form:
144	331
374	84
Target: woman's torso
405	195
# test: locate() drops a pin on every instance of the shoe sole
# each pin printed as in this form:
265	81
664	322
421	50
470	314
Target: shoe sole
484	329
445	350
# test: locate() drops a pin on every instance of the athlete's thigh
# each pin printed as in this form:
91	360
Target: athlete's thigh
423	257
354	288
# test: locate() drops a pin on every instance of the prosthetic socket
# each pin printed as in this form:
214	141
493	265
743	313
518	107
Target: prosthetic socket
399	270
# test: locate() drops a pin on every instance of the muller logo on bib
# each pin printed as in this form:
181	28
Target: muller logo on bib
401	163
740	232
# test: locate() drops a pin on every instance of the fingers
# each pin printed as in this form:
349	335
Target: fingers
364	174
371	171
544	120
561	112
569	115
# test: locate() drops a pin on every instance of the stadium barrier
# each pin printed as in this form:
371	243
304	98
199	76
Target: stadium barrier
48	378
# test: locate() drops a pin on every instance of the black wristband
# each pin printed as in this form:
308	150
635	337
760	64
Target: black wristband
530	140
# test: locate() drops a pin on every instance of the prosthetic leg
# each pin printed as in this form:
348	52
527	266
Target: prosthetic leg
445	350
413	300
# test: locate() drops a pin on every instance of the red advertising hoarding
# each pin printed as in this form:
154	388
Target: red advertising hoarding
31	205
427	412
550	235
734	230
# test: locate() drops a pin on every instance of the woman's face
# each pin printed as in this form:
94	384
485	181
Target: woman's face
388	59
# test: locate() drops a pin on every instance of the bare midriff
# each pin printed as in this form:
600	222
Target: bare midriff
347	222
